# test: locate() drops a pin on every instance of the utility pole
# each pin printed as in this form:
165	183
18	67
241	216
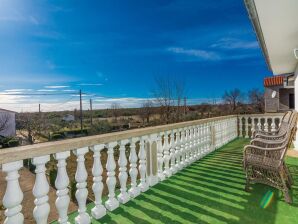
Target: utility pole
91	111
184	106
39	109
81	111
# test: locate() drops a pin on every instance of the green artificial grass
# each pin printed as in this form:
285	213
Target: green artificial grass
211	190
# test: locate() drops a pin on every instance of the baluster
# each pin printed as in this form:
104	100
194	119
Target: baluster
191	145
61	184
13	196
266	124
183	148
196	141
99	210
82	192
178	150
240	127
200	139
259	124
40	190
143	165
166	153
112	203
173	154
133	171
253	127
246	127
186	146
273	125
161	175
123	197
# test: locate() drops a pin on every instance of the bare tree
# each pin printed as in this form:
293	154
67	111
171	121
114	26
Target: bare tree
256	98
115	108
29	125
233	98
4	121
167	92
146	111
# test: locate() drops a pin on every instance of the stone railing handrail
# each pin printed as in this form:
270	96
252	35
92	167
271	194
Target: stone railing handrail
155	153
30	151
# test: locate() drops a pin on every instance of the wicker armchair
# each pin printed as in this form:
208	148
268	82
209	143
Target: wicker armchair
264	160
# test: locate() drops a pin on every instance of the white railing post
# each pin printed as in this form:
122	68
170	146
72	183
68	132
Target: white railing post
61	184
112	203
123	197
186	147
246	127
144	186
253	126
173	156
99	210
273	125
161	175
178	150
266	124
259	124
82	192
40	190
13	196
166	153
133	171
240	127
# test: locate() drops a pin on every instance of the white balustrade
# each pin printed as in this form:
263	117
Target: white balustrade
112	203
166	153
82	192
123	197
13	196
161	154
61	184
40	190
144	186
99	210
133	171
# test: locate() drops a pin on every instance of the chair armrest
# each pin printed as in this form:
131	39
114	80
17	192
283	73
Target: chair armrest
265	143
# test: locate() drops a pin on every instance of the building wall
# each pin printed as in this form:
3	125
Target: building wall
10	128
271	104
284	99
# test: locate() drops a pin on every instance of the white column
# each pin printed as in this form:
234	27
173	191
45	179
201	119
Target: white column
143	166
40	190
161	175
61	184
112	203
200	139
253	126
173	154
186	146
133	171
166	153
82	192
123	197
99	210
13	196
183	147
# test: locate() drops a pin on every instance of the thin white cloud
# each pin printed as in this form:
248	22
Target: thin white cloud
56	87
197	53
46	90
18	90
234	43
90	84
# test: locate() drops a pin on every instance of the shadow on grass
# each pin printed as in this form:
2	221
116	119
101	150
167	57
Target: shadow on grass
209	191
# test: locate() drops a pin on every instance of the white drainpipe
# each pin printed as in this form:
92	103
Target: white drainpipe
296	102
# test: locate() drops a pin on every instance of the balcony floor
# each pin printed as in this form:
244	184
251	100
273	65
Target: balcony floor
209	191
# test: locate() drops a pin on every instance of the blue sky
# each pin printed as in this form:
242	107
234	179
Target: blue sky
113	50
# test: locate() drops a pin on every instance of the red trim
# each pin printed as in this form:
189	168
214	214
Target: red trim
273	81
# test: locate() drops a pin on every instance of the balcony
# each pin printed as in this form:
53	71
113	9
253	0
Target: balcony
188	172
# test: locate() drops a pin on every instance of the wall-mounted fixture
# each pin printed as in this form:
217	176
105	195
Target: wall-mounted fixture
296	53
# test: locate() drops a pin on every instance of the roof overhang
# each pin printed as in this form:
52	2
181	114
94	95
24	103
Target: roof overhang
276	25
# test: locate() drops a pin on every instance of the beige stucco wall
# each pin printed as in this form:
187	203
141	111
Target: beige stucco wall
10	128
